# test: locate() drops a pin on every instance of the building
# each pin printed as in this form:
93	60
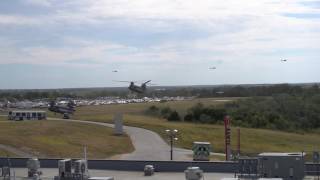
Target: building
282	165
19	115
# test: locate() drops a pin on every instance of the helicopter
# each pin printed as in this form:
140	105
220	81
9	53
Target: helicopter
135	88
283	60
65	110
212	68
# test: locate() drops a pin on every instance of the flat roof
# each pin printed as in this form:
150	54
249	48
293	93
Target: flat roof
283	154
27	111
197	142
125	175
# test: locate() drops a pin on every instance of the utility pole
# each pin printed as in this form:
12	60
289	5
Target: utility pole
239	151
227	135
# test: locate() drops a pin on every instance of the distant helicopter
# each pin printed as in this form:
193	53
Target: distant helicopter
283	60
212	68
115	71
137	89
65	110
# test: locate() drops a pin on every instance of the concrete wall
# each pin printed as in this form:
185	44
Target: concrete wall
160	166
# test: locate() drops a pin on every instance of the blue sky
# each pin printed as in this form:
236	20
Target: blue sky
62	43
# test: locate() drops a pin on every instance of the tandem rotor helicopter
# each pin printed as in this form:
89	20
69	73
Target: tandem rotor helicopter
65	110
137	89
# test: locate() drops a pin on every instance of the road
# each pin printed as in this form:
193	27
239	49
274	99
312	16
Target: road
148	144
15	151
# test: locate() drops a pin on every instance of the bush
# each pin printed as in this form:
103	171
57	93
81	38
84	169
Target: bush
188	117
202	114
165	112
174	116
153	110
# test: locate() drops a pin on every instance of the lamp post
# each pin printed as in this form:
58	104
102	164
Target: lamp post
172	134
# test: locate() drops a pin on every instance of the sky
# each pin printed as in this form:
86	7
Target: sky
71	44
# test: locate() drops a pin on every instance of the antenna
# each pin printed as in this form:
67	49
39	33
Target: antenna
85	152
9	164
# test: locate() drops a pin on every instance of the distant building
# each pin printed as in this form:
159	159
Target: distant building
19	115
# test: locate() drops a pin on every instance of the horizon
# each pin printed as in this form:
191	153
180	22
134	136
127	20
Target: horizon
175	86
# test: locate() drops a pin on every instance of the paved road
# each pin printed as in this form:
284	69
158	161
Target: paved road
148	144
15	151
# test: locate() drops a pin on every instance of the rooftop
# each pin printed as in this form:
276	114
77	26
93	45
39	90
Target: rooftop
283	154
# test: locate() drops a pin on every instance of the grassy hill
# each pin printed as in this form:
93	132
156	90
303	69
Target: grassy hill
66	139
252	140
62	139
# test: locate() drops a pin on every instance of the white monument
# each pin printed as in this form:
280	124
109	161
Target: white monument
118	124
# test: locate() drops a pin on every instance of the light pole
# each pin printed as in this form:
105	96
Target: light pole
172	136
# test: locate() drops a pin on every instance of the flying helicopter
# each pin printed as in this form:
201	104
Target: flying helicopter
115	71
65	110
137	89
283	60
212	68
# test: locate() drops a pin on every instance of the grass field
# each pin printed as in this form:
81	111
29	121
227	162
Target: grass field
4	153
139	108
62	139
57	139
252	140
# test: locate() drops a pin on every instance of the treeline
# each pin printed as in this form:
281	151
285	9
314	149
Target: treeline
239	90
197	91
197	114
281	112
13	95
31	95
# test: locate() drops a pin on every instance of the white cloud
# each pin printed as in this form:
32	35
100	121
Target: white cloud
184	9
235	29
45	3
18	20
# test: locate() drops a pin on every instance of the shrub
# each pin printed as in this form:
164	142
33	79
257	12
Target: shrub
174	116
165	112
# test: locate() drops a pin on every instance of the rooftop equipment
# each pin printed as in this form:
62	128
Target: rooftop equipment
148	170
33	166
193	173
81	167
282	165
65	167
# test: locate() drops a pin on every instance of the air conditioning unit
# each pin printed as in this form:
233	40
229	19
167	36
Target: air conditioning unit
65	167
5	171
148	170
193	173
33	166
80	167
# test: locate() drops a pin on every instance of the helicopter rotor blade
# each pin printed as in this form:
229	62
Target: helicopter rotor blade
125	81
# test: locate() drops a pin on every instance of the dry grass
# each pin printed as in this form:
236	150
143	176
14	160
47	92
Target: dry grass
138	108
5	153
3	118
63	139
252	140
